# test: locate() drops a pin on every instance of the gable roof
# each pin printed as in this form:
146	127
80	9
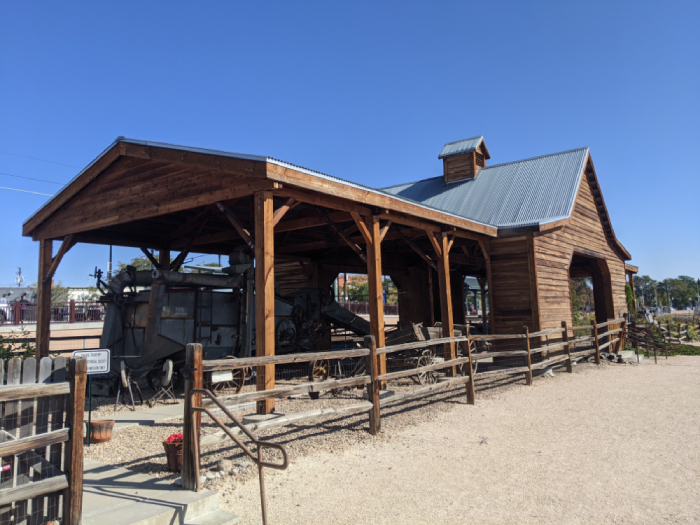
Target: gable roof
521	194
527	192
463	146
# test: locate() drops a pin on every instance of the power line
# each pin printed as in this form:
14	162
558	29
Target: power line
27	191
41	160
30	178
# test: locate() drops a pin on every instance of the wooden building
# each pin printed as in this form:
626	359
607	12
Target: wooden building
525	227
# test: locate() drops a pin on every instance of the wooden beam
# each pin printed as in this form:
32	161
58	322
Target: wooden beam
415	248
342	235
534	284
436	245
443	249
245	235
384	230
482	283
362	227
310	222
43	314
327	201
164	258
189	225
66	245
175	266
154	261
486	250
328	188
264	294
282	210
376	291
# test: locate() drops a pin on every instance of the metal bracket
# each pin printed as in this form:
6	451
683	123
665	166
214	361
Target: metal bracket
187	371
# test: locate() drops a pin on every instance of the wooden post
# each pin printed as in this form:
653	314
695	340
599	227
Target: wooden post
486	250
43	307
526	347
71	315
482	283
164	258
623	334
18	312
73	495
597	343
471	388
264	294
192	421
373	387
374	278
565	335
442	250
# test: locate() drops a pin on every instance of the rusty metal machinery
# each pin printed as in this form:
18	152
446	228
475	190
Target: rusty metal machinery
152	315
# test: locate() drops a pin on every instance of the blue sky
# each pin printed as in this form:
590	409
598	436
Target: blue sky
367	91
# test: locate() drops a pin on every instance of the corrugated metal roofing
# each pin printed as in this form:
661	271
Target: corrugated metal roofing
460	146
522	193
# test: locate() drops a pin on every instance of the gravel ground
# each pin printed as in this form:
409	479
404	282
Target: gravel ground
524	458
610	444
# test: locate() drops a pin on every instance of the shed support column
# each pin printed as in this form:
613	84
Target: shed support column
43	310
164	259
482	283
446	298
630	275
374	277
264	294
486	250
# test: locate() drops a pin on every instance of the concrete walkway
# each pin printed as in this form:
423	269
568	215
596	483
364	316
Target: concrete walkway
117	495
125	418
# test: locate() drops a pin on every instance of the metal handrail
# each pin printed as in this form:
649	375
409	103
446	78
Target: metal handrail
256	458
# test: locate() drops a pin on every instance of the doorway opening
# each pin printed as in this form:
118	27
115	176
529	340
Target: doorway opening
591	290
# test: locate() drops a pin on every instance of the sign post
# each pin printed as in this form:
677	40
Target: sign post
97	363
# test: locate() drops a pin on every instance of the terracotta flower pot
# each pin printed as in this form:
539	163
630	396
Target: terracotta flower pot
101	430
173	453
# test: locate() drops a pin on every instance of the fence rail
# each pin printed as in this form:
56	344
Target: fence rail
362	307
511	353
64	312
41	440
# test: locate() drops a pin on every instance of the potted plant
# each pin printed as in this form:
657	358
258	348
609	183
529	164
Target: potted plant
101	430
173	452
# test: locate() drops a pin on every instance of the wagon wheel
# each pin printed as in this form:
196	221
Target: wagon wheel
318	371
426	378
464	367
228	387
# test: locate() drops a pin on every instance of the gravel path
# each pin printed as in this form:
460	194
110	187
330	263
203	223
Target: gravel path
610	444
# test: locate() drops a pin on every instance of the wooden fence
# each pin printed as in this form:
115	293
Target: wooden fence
658	338
512	354
41	441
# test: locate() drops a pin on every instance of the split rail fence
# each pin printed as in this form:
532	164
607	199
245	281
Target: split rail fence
510	354
41	441
658	338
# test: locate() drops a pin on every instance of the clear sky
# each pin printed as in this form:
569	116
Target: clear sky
366	91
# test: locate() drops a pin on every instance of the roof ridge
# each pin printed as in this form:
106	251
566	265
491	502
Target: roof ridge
533	158
462	140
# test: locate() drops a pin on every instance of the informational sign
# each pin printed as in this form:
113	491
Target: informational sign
220	377
97	360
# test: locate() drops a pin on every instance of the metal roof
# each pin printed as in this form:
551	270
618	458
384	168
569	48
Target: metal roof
259	158
461	146
523	193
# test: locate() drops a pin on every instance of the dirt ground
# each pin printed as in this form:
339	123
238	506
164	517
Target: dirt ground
610	444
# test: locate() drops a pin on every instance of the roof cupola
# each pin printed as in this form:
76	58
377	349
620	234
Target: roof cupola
462	159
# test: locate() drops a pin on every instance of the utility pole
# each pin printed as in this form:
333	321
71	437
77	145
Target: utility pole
109	264
697	287
668	297
19	279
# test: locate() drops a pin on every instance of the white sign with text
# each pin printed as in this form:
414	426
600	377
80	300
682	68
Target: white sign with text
97	360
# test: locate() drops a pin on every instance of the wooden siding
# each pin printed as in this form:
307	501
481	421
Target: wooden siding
583	234
458	167
510	289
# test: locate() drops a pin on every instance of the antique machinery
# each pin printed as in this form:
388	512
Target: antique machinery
152	315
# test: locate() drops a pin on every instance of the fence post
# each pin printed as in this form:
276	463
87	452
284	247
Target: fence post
71	315
18	312
565	335
192	420
471	391
526	347
375	423
73	495
597	343
623	334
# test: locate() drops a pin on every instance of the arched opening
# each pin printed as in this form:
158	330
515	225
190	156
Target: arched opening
597	275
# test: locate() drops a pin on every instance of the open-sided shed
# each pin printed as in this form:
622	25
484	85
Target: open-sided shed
526	227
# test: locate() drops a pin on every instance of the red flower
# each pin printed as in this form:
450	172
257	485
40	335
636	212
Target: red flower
174	438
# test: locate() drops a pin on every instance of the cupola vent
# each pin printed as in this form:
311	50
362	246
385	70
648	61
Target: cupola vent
462	159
